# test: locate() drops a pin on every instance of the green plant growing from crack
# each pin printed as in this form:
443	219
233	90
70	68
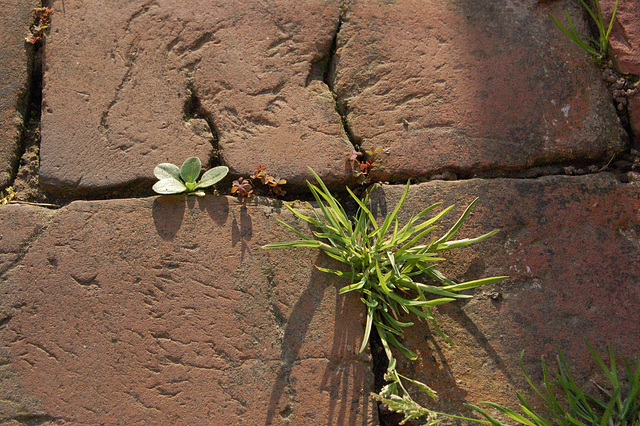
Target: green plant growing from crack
567	404
174	180
598	48
384	262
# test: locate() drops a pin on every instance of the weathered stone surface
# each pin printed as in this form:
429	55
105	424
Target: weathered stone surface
167	311
571	246
115	109
470	85
19	226
14	26
625	35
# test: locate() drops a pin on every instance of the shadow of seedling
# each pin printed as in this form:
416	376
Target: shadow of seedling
168	213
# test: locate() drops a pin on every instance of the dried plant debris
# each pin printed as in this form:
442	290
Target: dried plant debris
41	22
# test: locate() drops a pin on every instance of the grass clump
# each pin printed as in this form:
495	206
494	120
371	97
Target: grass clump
386	263
567	404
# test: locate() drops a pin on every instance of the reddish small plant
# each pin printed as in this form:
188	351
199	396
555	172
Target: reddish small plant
259	172
362	168
242	187
353	155
275	184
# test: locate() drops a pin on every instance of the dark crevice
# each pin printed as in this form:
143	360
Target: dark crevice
33	419
4	321
618	164
618	83
380	364
324	69
25	178
622	88
193	109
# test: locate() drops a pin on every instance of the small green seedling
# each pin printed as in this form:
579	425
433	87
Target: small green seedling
174	180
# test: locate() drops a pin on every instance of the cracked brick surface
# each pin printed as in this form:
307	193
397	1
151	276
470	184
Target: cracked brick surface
14	86
467	86
167	311
571	246
114	109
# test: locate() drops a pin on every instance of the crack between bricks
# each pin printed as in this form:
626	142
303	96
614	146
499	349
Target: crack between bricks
30	103
328	73
33	419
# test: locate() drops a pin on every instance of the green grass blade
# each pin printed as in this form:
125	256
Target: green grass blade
297	243
337	272
363	207
634	391
448	245
387	328
390	218
475	283
424	388
303	217
367	328
574	37
427	288
394	322
408	353
407	302
456	226
291	228
510	413
352	287
492	420
613	17
420	313
330	215
333	203
338	257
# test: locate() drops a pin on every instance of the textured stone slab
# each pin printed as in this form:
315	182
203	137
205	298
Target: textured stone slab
625	35
571	246
166	311
115	109
14	27
468	85
19	227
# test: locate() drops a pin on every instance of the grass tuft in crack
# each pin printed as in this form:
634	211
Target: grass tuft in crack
384	261
597	47
567	404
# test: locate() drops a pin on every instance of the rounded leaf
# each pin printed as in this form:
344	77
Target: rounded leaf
169	186
212	176
190	169
166	171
